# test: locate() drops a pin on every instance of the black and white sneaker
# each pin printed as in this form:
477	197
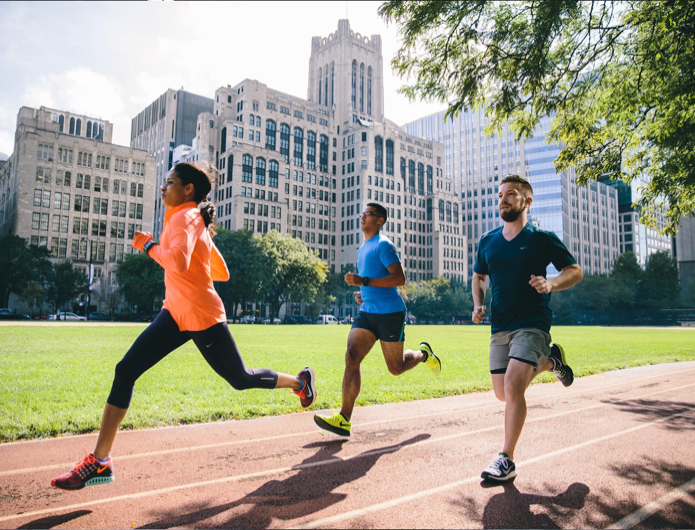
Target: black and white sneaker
500	468
561	369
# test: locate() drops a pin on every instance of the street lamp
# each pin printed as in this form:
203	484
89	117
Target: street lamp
89	277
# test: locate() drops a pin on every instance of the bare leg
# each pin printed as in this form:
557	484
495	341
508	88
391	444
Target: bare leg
288	381
498	379
399	361
516	380
360	341
110	421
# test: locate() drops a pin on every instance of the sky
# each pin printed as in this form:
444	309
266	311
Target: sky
110	60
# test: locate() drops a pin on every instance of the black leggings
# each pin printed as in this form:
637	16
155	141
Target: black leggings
163	336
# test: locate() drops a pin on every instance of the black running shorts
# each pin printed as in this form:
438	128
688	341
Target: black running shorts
389	327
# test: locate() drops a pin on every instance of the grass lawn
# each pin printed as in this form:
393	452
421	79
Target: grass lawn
55	379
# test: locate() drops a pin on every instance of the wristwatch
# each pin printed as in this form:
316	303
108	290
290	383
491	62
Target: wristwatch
147	246
365	281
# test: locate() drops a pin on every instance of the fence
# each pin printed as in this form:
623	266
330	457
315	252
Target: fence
660	317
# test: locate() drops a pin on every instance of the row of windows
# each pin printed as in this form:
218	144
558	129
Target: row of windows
45	175
45	152
94	130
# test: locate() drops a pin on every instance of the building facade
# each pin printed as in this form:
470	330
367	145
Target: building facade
308	167
584	218
169	121
66	187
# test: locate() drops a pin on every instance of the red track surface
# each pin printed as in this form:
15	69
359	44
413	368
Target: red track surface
590	456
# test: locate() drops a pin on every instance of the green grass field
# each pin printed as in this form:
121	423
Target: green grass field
55	379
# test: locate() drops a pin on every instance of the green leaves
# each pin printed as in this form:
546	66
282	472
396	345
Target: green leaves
142	281
616	76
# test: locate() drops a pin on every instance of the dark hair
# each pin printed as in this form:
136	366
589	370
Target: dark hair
380	210
203	176
523	183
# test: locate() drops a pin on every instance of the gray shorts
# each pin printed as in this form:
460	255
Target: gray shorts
528	345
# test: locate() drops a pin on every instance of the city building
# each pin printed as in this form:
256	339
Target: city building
169	121
634	235
66	187
684	252
308	167
584	218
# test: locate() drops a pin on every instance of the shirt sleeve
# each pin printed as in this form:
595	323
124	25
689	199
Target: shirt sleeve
185	230
218	268
388	253
558	254
481	266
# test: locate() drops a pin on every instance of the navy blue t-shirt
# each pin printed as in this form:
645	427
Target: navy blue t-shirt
510	264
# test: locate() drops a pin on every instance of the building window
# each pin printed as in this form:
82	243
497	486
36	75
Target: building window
429	180
411	176
353	95
78	127
72	126
260	171
285	141
311	150
323	153
441	210
270	135
223	140
273	170
362	87
298	147
378	154
420	178
247	169
369	93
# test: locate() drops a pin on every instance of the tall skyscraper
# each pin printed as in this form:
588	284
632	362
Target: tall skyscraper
308	167
584	218
169	121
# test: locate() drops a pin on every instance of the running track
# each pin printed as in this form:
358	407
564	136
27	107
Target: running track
616	450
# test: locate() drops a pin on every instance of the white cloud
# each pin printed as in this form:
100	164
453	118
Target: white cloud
78	90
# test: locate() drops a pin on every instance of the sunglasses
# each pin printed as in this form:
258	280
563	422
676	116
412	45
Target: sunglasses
367	214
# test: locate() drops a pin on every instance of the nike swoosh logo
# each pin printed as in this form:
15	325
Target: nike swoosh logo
208	345
343	424
523	248
102	469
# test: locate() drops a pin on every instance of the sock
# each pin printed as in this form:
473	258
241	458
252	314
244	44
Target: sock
303	384
554	361
102	462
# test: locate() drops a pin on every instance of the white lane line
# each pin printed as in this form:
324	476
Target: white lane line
321	523
650	509
463	409
315	432
329	461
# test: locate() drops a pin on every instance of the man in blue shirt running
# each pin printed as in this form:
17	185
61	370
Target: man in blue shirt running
515	256
381	316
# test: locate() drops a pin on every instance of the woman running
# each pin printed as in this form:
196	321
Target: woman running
192	310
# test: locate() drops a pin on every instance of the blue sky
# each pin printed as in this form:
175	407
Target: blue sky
110	60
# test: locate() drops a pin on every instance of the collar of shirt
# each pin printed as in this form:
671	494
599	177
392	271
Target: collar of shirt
171	211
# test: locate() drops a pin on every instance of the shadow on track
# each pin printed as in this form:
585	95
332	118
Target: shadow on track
302	494
512	509
651	410
55	520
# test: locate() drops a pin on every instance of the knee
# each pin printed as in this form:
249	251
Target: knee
241	381
395	369
352	359
513	391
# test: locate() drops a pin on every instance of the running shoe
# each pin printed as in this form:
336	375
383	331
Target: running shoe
307	394
88	472
561	369
432	361
337	424
500	468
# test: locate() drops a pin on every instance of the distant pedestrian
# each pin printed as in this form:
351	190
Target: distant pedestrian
515	256
381	317
192	310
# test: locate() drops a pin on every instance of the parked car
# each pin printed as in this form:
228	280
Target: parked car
326	319
247	319
264	320
347	320
97	315
303	319
11	314
277	321
66	315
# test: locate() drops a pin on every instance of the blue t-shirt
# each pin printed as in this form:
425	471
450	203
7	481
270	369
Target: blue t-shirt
373	260
510	264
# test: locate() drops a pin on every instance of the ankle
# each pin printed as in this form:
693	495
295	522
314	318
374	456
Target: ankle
302	384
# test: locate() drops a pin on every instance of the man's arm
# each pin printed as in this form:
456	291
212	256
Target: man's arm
570	275
396	278
478	285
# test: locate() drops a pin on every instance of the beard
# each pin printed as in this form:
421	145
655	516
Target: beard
512	214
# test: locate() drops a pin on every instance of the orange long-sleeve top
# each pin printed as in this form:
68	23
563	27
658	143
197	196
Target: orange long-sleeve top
191	262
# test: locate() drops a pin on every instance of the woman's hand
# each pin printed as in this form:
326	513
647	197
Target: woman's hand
140	239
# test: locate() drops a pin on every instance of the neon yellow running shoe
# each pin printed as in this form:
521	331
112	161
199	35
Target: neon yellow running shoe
432	362
337	424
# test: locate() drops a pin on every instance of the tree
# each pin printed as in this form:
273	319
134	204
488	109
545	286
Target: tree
247	266
142	281
33	295
20	264
110	298
65	284
627	275
616	77
296	275
437	298
661	288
